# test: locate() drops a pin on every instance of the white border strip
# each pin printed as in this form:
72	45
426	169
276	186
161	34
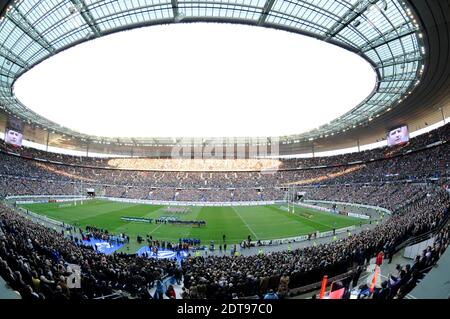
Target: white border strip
184	203
381	209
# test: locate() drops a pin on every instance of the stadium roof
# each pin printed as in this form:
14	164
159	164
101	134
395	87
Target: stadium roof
384	32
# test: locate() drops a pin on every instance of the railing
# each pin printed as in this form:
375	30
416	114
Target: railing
317	285
412	251
43	219
377	208
424	236
115	295
411	241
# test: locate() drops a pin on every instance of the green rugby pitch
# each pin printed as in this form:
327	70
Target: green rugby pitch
260	222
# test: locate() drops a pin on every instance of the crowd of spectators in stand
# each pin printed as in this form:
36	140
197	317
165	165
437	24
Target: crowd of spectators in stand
21	176
173	165
16	185
401	283
391	196
416	143
405	277
441	134
17	173
225	276
184	164
29	152
35	259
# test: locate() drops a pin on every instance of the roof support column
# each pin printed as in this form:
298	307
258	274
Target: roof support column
48	140
352	13
87	16
175	9
27	27
267	7
12	57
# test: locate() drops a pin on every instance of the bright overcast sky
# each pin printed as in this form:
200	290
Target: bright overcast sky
197	80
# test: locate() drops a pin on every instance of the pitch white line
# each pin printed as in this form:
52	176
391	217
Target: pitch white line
249	228
146	215
155	218
312	221
155	229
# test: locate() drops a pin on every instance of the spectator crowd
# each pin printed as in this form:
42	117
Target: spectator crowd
409	180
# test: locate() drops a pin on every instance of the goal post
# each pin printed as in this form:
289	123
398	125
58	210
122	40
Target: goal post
294	194
290	198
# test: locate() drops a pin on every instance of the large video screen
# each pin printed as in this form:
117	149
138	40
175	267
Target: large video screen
398	136
13	132
14	138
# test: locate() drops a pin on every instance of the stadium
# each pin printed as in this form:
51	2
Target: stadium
355	207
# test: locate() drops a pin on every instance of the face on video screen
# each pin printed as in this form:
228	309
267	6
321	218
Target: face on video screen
398	136
13	137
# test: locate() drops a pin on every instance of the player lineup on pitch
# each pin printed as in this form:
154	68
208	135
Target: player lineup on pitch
204	223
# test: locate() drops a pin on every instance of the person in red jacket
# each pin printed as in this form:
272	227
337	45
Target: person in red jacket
171	293
379	259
